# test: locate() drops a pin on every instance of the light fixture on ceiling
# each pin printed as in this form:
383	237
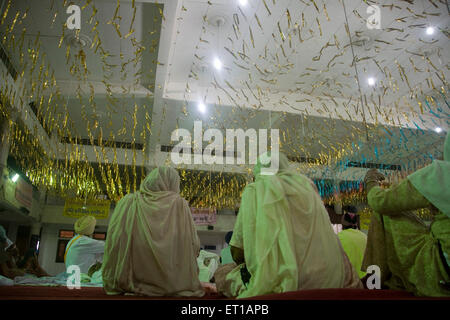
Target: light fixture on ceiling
243	2
15	177
371	81
203	68
438	129
430	31
78	41
217	63
363	41
201	107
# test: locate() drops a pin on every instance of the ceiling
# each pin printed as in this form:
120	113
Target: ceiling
114	58
287	65
283	63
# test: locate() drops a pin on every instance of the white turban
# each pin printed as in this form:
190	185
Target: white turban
85	225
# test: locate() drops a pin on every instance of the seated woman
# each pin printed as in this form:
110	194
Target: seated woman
152	242
82	250
30	264
352	239
283	239
412	256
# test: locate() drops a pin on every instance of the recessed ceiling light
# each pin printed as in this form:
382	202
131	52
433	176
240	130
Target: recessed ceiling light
201	107
438	130
430	30
243	2
217	63
371	81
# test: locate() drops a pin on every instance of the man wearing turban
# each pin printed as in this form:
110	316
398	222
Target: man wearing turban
82	250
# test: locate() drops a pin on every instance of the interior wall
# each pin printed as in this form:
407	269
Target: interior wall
216	237
53	221
47	248
11	229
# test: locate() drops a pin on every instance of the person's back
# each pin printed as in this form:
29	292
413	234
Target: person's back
284	236
152	242
353	241
82	250
318	253
225	253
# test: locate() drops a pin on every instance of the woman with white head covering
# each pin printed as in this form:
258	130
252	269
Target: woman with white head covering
352	239
411	255
283	238
152	242
82	250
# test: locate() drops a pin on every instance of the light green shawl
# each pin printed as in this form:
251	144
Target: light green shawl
152	242
286	234
433	181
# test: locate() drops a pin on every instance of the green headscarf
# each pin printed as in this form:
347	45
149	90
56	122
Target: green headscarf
268	164
433	181
286	234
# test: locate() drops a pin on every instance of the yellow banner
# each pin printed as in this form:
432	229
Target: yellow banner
76	208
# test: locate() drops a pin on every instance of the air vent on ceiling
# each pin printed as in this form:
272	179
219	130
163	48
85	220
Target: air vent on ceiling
369	165
105	143
77	41
303	159
351	164
225	153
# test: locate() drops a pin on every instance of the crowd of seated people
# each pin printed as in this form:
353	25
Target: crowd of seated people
282	239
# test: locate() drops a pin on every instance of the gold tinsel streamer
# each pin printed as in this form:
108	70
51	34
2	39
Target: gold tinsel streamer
70	172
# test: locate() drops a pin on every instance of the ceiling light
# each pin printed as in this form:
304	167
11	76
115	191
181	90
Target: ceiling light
201	107
15	177
438	130
217	63
243	2
371	81
430	30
